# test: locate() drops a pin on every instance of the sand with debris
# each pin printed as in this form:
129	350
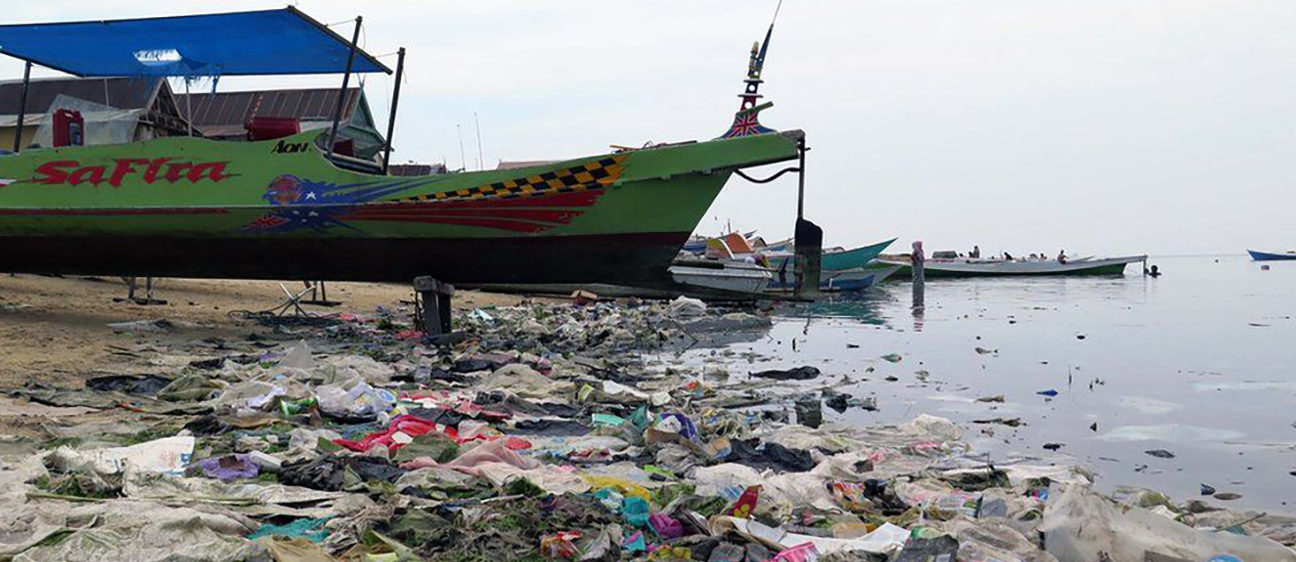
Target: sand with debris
55	329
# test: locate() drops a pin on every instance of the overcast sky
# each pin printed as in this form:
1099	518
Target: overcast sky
1098	126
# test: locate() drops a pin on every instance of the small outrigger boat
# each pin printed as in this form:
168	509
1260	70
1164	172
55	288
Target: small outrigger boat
984	267
840	280
856	279
834	259
1268	256
294	207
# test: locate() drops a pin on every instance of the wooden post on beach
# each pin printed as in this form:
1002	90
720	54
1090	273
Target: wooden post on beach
916	264
434	315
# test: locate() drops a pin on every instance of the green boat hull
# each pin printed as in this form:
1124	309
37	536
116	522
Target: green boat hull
183	207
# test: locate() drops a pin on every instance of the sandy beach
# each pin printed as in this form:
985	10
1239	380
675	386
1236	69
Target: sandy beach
55	329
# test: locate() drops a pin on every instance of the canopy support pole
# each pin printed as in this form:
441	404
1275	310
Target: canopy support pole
346	81
22	108
391	121
188	107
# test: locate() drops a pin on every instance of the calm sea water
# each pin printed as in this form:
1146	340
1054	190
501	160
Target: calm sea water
1200	362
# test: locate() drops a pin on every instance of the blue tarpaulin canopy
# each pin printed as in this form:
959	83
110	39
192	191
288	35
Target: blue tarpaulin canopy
283	41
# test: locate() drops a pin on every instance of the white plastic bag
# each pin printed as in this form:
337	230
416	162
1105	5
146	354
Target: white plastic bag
1080	524
162	456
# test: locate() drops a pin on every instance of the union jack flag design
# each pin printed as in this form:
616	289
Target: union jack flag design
746	123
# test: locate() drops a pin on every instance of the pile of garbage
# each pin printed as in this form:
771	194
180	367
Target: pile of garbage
540	434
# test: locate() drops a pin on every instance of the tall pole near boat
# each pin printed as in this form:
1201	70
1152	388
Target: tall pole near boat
481	162
22	108
809	238
346	81
463	160
801	151
391	121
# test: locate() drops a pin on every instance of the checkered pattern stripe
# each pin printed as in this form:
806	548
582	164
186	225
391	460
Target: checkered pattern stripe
595	174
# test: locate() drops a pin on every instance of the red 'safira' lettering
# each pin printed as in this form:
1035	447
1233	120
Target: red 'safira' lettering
52	173
71	172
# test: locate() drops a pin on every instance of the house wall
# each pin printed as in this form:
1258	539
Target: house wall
7	136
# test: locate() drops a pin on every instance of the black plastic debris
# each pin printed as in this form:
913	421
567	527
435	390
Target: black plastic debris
838	401
939	549
1160	453
797	374
548	428
131	384
473	365
753	453
332	474
809	412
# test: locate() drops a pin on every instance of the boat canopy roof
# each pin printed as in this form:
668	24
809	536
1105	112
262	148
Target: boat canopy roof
270	42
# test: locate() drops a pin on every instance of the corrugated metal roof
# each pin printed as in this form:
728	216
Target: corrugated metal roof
122	93
230	110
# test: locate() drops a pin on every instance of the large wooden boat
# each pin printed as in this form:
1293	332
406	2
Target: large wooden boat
289	208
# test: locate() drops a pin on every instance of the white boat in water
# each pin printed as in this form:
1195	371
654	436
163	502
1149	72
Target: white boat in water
730	276
974	267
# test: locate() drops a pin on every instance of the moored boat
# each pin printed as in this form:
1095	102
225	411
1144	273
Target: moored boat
833	259
977	267
728	276
841	280
1269	256
857	279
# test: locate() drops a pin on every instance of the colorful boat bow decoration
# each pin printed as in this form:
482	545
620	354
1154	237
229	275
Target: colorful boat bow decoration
528	204
747	121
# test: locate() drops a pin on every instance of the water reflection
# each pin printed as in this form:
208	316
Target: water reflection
1198	362
866	308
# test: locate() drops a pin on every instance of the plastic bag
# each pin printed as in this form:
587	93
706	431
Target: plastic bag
625	487
167	456
360	400
1079	524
